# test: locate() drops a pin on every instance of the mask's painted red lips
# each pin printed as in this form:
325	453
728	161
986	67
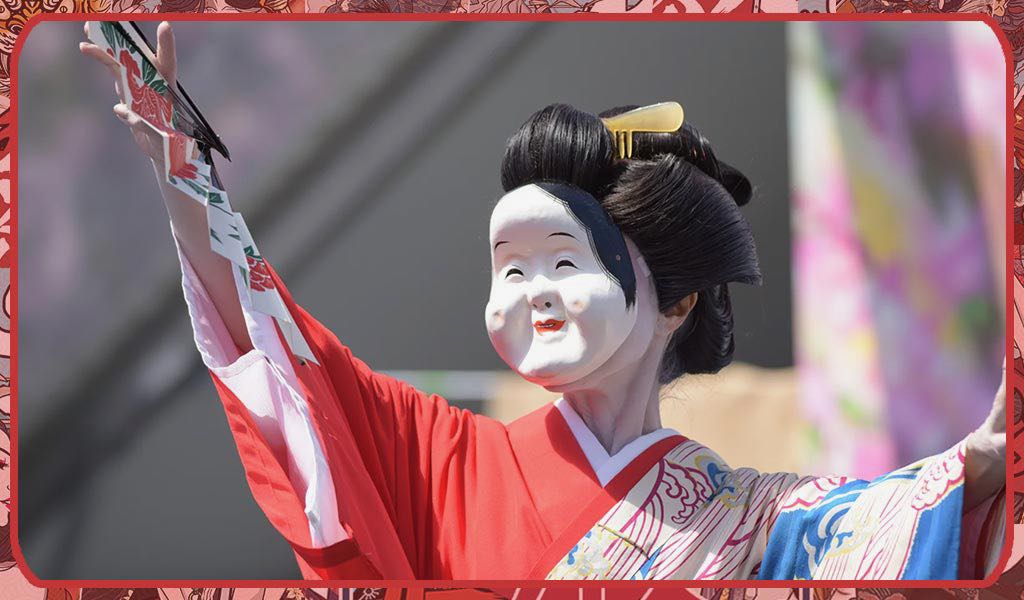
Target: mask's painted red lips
549	325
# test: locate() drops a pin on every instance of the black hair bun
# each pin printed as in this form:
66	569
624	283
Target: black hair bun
705	342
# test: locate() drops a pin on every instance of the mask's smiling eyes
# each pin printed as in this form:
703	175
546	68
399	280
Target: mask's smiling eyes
539	252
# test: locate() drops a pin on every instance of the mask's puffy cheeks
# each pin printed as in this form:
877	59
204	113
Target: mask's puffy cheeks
495	315
507	318
591	293
576	305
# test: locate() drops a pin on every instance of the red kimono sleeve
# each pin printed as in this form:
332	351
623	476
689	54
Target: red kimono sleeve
403	465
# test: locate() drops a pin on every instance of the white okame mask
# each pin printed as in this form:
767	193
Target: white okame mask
557	312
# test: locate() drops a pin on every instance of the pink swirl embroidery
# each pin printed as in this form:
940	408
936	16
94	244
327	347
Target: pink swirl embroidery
940	475
688	486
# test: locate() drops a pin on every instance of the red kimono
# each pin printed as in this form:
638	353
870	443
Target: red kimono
367	477
424	490
427	487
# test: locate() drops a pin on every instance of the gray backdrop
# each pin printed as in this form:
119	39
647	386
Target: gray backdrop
366	162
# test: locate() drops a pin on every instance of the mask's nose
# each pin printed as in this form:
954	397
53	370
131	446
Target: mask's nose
540	295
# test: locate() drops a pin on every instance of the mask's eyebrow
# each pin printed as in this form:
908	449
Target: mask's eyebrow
550	235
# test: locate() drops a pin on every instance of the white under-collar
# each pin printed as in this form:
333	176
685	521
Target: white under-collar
606	466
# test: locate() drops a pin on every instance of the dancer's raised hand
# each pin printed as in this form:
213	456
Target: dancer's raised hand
148	140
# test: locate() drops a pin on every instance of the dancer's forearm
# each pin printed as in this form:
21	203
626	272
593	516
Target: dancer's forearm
191	228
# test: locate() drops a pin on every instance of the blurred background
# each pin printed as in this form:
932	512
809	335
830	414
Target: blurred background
365	160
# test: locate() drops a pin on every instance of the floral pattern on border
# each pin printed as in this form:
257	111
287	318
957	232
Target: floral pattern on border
14	14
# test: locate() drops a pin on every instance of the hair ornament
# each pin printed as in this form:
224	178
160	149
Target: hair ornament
664	117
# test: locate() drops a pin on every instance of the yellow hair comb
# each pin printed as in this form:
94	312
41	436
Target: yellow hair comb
664	117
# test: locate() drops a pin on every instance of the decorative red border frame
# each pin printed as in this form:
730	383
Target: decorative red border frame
8	151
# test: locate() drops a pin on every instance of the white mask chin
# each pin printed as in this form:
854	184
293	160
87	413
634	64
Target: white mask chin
554	315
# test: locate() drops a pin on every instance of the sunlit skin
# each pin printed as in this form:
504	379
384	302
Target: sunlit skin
604	359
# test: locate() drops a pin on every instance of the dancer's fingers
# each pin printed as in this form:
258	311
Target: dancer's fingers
128	117
165	55
94	51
